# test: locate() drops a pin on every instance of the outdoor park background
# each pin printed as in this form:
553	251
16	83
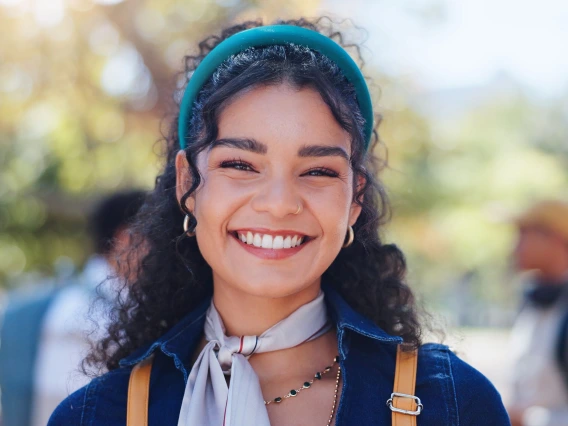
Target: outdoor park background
473	93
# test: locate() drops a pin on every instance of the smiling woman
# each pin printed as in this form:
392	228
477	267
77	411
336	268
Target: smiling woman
253	181
265	295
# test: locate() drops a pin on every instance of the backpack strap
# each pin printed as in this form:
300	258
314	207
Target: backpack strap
404	405
404	412
139	394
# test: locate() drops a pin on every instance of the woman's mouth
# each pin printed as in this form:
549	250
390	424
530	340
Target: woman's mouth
269	241
271	245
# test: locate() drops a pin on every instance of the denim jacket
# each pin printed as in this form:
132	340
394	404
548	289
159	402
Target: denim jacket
452	392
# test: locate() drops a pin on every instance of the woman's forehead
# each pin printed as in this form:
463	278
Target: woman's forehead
283	116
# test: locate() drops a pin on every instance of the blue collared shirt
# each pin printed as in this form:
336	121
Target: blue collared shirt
452	392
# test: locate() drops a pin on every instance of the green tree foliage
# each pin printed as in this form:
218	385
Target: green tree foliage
86	87
459	175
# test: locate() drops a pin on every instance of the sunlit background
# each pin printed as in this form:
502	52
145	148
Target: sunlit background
473	93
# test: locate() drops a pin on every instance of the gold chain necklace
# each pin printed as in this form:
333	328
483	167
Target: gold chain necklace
308	384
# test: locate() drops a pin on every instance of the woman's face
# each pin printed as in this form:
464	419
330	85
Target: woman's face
278	148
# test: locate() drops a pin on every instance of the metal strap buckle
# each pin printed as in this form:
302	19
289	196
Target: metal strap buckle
419	405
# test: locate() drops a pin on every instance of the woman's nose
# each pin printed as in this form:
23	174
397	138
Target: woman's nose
277	196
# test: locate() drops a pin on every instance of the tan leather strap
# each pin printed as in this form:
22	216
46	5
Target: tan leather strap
405	383
139	394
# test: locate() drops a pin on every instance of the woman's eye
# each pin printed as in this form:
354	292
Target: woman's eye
238	165
322	171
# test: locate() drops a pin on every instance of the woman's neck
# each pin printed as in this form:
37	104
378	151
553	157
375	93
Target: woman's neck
245	314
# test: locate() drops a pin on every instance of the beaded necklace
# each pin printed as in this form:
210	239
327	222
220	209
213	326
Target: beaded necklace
308	384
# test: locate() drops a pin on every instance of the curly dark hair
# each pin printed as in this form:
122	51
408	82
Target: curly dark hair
172	277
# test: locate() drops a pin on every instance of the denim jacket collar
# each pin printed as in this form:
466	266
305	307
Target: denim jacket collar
346	318
180	341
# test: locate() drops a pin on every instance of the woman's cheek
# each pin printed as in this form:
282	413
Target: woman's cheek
226	190
333	200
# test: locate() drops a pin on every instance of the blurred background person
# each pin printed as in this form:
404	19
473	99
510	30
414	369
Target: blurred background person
44	338
539	338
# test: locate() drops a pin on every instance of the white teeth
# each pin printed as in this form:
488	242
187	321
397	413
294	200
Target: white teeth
278	242
294	240
267	241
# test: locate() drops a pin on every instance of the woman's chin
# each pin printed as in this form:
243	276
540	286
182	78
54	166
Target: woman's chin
273	288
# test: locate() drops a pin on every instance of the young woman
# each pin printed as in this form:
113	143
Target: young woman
265	296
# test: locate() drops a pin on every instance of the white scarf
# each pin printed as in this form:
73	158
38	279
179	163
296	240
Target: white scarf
208	401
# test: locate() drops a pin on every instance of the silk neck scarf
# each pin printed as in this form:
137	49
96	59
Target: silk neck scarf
208	401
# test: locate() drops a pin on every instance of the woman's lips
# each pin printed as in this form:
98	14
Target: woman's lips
270	240
272	253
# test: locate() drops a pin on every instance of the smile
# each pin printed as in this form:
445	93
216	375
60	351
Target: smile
271	246
268	241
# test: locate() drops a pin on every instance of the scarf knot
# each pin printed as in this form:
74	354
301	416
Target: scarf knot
207	399
244	345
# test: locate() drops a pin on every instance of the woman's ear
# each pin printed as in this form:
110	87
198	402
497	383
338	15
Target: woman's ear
356	208
183	180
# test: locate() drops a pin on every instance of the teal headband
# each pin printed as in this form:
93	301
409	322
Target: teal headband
275	35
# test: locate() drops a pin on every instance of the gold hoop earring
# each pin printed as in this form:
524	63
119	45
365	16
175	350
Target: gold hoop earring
186	220
299	209
350	238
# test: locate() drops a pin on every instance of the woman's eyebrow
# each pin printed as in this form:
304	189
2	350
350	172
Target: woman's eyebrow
245	144
322	151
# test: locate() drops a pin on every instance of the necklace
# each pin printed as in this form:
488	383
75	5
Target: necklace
308	384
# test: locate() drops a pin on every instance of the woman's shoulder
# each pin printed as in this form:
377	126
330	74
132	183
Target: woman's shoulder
104	399
108	391
436	361
474	395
